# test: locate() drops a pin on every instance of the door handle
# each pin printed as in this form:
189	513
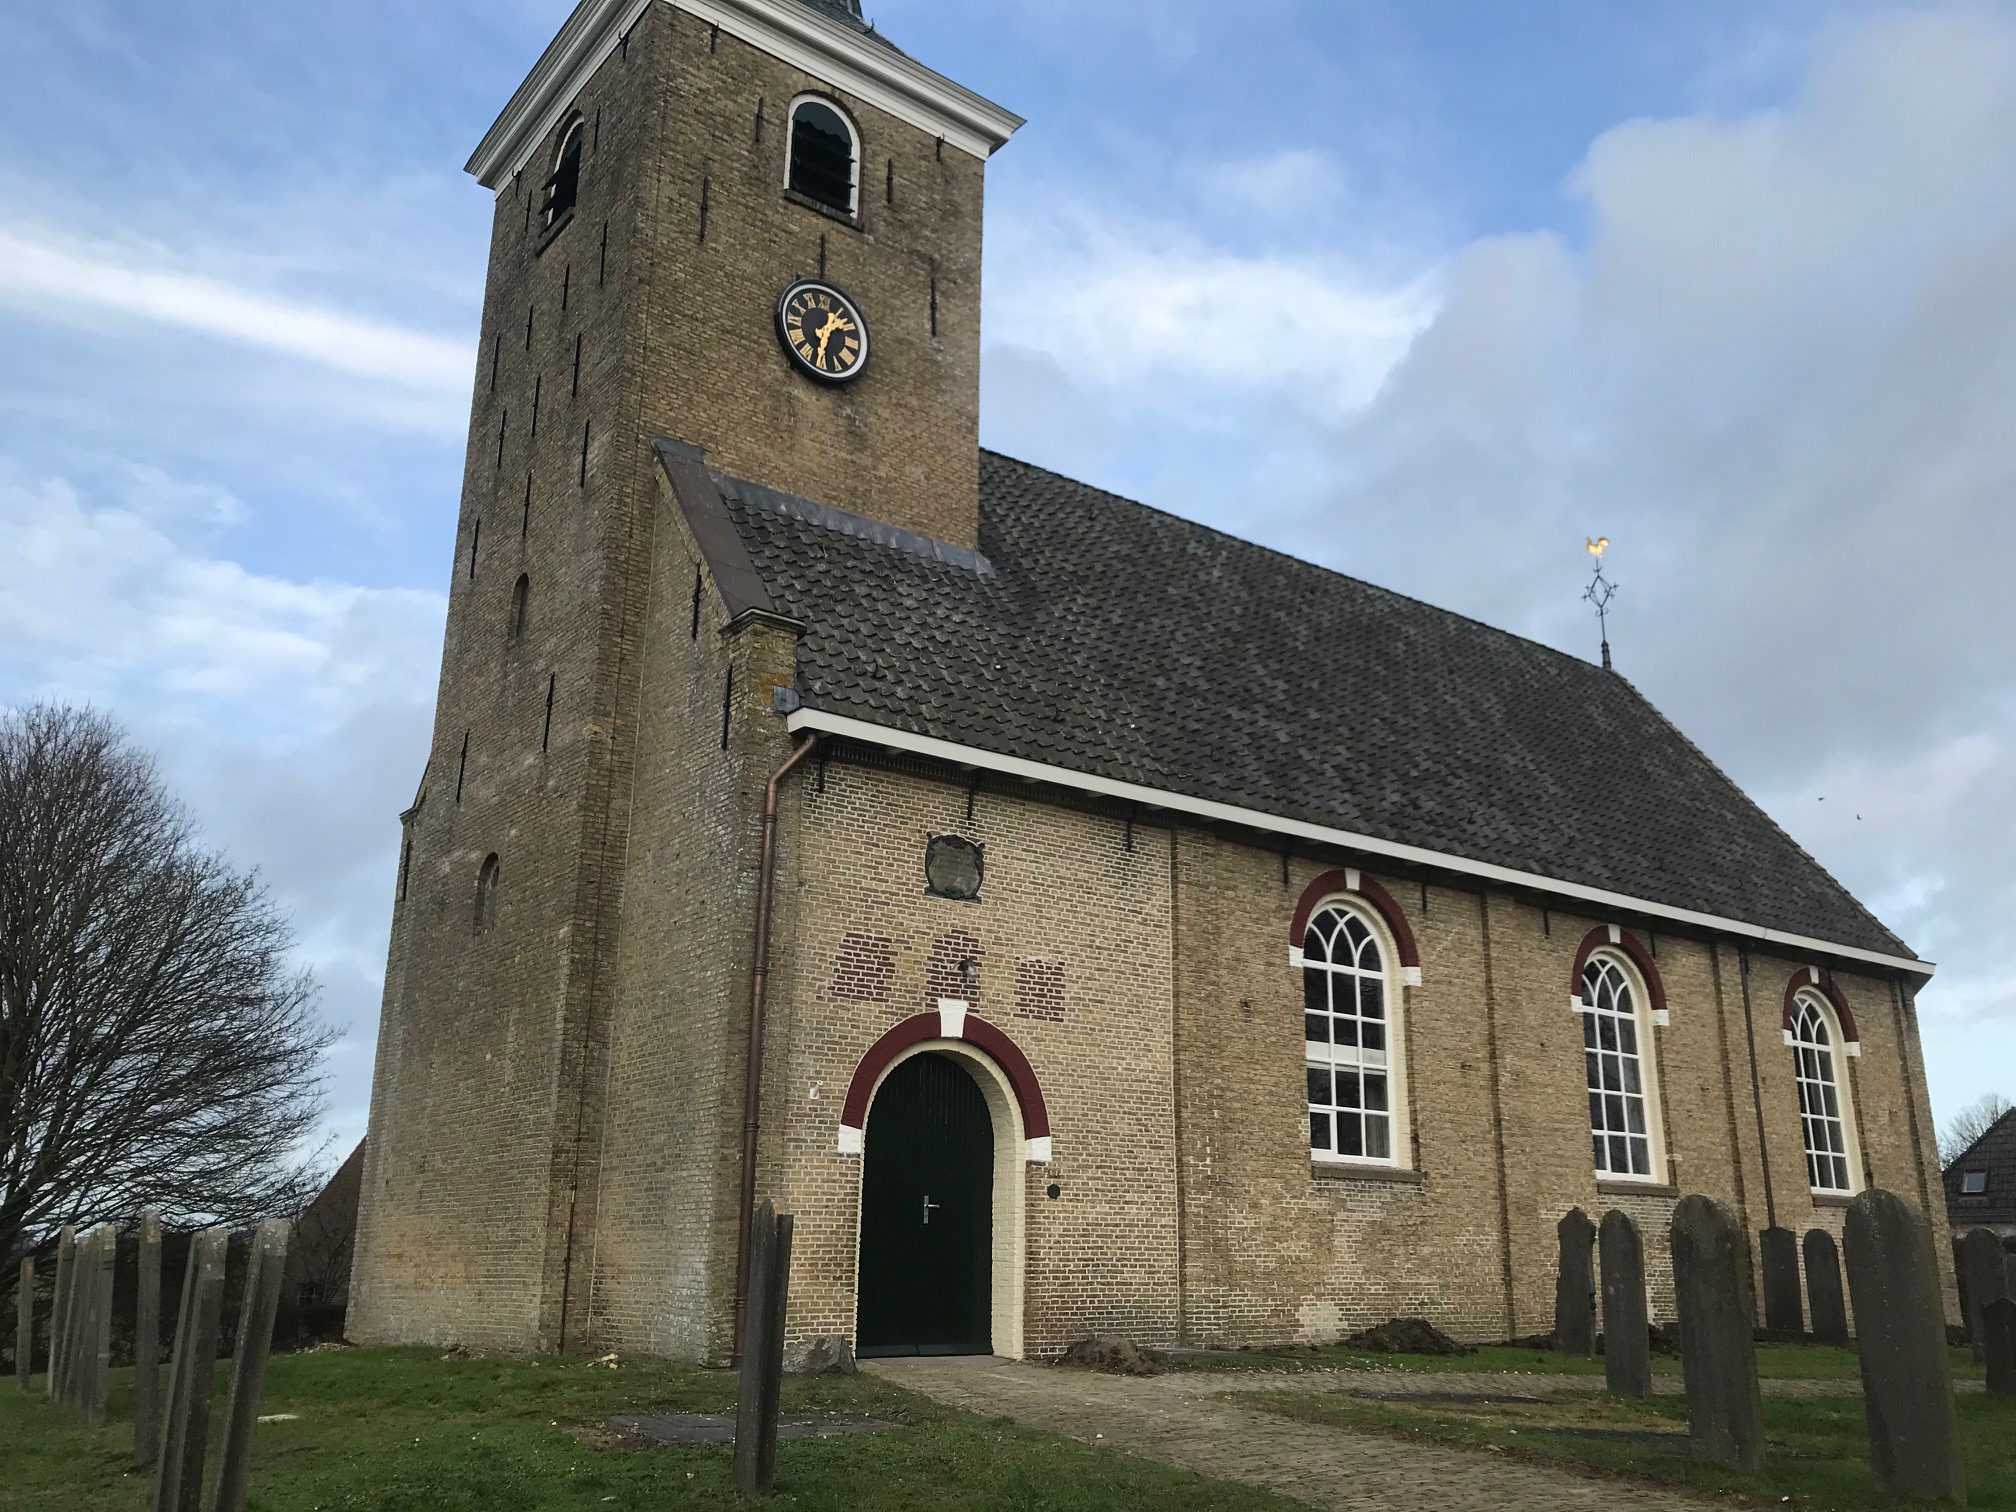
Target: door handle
928	1205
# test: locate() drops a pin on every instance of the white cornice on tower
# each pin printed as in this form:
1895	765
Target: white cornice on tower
793	32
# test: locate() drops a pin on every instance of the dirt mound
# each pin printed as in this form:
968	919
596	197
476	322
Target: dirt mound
1416	1336
1114	1357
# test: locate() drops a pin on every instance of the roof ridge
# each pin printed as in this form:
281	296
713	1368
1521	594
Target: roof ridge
1497	631
1978	1138
1287	556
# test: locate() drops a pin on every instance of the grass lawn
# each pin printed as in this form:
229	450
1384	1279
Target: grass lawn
1811	1362
391	1430
1818	1447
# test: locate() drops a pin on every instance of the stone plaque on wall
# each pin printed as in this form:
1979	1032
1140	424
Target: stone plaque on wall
954	868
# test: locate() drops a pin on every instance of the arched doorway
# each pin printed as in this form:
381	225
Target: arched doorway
927	1213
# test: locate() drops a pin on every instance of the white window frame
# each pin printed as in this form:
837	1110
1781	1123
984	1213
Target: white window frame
1809	1002
853	136
1647	1055
1980	1190
1393	1065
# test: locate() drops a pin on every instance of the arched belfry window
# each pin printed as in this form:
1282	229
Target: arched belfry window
486	894
521	603
1351	1039
1825	1116
1624	1134
825	161
563	189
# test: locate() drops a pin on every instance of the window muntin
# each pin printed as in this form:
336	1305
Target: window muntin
1823	1117
1620	1112
1348	1039
825	155
563	189
1973	1183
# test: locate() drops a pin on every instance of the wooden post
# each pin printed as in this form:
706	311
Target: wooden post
147	1342
98	1383
24	1324
66	1257
265	1267
76	1300
178	1478
763	1352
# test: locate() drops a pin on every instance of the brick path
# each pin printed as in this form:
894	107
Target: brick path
1195	1420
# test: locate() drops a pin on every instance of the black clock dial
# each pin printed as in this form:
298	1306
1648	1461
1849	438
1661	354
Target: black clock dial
823	331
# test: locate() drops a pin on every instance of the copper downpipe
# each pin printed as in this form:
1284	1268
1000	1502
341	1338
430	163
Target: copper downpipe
752	1086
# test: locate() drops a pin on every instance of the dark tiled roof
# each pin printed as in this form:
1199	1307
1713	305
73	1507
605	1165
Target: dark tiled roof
1112	639
1995	1153
848	14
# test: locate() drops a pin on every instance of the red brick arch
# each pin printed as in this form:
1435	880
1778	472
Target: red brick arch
947	1024
1357	885
1632	946
1821	982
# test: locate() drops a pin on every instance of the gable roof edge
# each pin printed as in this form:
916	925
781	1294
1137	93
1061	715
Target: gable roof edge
1204	808
1979	1139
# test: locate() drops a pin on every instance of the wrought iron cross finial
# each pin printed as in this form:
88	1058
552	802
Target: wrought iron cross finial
1599	592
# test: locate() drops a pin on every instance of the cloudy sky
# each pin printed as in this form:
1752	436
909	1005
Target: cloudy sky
1425	290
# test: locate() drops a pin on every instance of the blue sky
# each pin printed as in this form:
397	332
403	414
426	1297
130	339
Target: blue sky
1420	289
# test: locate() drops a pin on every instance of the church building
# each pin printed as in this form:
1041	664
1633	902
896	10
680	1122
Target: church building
823	809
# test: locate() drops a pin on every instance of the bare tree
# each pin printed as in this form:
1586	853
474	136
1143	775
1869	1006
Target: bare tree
155	1046
1969	1124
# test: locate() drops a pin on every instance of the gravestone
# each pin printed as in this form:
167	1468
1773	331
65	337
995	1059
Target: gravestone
24	1322
1900	1326
59	1311
755	1462
265	1267
185	1430
1718	1352
1627	1334
1823	1288
1999	1322
1575	1286
1779	1248
1987	1277
147	1341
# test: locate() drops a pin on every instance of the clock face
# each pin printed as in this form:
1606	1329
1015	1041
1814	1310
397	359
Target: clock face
823	331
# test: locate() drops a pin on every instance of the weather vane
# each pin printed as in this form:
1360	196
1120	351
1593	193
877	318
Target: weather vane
1599	592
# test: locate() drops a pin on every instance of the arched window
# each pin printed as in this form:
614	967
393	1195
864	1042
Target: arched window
1351	1043
1617	1054
1825	1117
825	155
563	189
521	595
486	893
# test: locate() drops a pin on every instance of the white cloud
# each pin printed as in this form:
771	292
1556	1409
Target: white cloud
292	717
42	275
1149	308
1778	370
97	599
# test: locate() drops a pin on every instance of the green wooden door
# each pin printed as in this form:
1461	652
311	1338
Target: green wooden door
927	1214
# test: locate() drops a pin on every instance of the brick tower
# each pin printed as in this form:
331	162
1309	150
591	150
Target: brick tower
556	1099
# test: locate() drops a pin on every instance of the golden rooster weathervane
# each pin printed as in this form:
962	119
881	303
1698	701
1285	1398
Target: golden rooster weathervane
1600	591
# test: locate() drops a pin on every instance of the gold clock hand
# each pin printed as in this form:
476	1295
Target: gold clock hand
833	323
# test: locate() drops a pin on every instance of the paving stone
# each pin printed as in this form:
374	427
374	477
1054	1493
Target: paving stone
1195	1420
